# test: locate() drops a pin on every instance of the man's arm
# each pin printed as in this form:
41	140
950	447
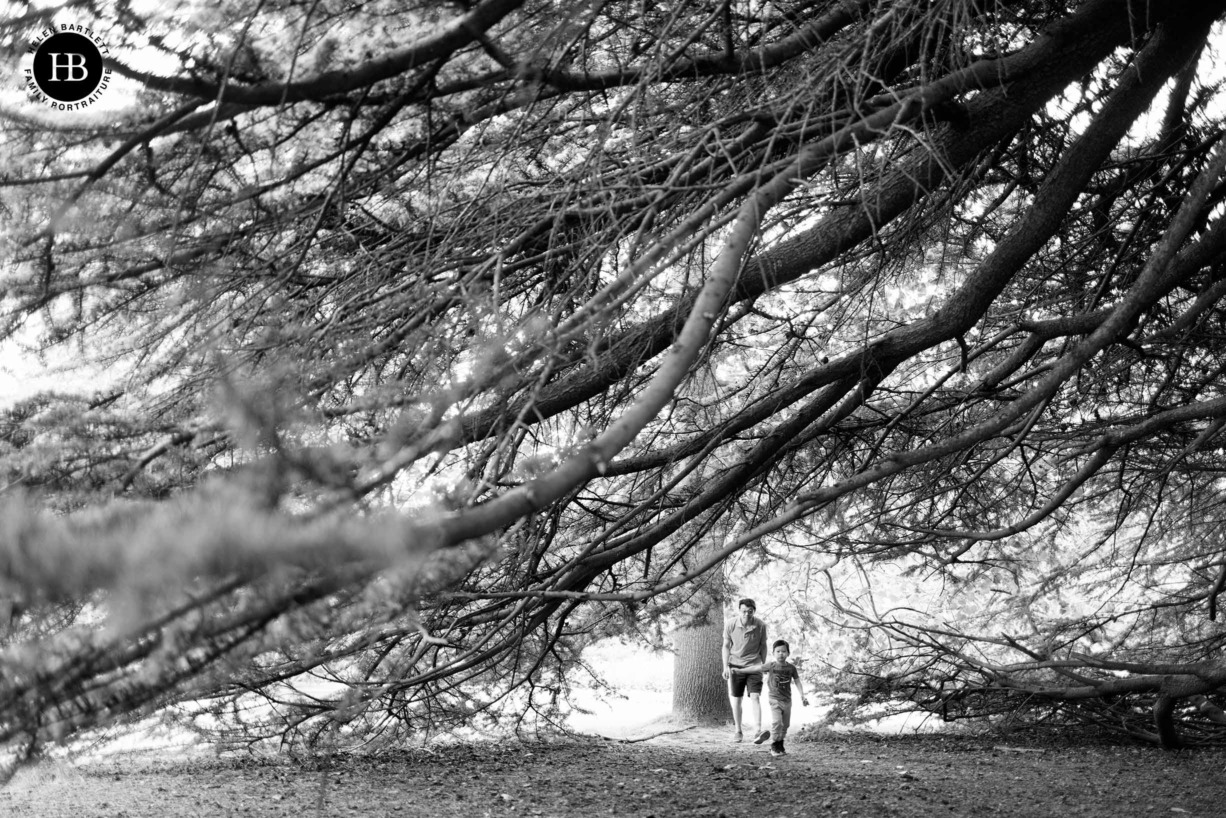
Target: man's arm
765	642
727	651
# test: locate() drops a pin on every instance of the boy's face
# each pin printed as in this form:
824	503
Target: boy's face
781	653
746	614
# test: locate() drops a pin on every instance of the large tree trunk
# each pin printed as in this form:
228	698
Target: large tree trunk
699	691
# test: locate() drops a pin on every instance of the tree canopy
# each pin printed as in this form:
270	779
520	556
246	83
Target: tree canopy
424	342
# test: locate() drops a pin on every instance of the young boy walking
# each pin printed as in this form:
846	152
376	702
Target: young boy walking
781	675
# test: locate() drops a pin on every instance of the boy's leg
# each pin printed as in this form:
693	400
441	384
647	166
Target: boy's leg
777	724
785	721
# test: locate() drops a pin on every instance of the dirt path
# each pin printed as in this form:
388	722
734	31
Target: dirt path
690	773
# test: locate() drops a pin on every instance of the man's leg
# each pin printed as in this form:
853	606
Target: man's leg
753	686
735	689
736	712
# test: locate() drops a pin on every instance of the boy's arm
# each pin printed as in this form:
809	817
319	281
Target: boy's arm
761	667
800	689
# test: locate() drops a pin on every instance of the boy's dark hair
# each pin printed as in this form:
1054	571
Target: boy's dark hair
783	642
749	602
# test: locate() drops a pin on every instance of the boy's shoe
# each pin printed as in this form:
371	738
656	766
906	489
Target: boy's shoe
763	736
737	737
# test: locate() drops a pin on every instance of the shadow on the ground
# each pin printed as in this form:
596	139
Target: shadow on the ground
692	772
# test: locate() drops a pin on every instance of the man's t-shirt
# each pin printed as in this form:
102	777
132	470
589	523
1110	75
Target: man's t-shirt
779	683
748	642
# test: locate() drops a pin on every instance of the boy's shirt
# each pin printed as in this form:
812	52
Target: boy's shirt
779	683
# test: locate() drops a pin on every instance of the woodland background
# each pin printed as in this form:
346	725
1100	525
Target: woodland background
401	351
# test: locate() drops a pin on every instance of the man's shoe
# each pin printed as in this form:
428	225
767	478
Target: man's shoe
775	751
737	737
763	736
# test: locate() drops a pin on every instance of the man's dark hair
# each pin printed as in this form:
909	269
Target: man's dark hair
749	602
783	642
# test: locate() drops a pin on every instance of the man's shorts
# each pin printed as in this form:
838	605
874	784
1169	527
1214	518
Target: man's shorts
739	681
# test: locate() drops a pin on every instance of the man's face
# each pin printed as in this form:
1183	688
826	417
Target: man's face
746	614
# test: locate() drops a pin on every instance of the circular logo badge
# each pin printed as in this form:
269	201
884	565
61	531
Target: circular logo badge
67	67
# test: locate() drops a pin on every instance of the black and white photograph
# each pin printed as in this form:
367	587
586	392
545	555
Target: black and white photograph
709	408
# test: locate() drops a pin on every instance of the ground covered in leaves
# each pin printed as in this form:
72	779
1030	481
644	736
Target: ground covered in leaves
690	773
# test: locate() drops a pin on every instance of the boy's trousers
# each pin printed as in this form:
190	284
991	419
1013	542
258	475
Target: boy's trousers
781	717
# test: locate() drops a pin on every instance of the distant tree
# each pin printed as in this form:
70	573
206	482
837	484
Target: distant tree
408	326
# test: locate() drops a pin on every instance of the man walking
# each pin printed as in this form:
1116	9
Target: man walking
744	645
